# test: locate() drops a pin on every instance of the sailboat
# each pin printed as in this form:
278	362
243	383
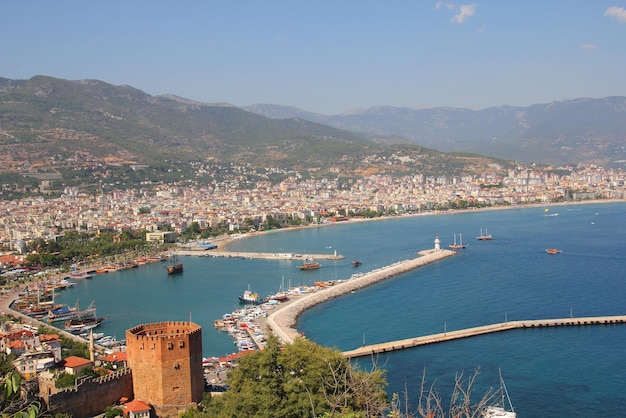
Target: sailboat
501	410
175	267
281	295
484	237
458	246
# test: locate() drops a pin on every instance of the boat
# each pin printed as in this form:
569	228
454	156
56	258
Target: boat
76	274
501	410
356	263
309	264
80	275
79	326
251	298
175	268
484	237
553	251
72	312
281	296
458	246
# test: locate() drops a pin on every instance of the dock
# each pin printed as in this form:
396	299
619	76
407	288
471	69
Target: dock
481	330
258	255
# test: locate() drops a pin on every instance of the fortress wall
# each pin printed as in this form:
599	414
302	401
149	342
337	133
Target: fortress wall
90	397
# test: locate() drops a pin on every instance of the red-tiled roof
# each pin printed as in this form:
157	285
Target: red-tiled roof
15	335
135	406
115	357
48	337
74	361
15	344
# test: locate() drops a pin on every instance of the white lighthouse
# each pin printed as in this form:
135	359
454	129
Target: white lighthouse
437	242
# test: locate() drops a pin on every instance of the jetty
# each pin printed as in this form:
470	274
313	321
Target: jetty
283	321
258	255
481	330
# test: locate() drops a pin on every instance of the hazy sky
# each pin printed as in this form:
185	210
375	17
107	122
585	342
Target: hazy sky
326	56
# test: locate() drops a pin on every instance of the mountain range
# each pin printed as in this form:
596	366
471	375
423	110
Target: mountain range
84	129
568	132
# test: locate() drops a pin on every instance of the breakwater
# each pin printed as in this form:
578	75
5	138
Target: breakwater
481	330
284	320
258	255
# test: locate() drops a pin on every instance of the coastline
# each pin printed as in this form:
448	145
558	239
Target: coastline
224	241
283	320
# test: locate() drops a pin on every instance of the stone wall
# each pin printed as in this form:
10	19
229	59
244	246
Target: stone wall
90	396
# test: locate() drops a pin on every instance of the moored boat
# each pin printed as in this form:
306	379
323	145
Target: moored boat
79	326
501	410
72	313
250	297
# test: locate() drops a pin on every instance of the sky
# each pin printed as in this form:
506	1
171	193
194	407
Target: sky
326	56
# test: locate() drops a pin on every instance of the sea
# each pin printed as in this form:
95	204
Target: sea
555	372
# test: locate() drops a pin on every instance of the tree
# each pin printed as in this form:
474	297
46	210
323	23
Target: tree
299	380
11	404
430	404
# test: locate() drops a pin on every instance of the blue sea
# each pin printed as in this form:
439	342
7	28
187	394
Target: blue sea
561	372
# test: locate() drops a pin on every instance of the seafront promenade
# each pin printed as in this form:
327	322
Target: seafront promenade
486	329
282	322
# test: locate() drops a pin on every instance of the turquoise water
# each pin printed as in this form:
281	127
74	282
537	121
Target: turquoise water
575	372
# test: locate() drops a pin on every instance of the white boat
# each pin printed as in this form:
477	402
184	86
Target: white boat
501	410
484	237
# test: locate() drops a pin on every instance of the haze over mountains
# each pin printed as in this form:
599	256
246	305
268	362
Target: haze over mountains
572	131
44	117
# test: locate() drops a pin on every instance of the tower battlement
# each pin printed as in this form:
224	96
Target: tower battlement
166	361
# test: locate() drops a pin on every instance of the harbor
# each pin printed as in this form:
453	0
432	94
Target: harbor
247	325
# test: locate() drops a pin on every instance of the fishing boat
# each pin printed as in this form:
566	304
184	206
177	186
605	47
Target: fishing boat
356	263
484	237
458	246
501	410
309	264
553	251
251	298
175	268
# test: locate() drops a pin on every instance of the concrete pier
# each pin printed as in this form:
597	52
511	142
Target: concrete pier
283	321
486	329
259	255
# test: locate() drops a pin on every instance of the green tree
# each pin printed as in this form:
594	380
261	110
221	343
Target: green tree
301	379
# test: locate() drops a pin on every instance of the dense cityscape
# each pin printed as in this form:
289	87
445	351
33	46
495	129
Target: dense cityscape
240	209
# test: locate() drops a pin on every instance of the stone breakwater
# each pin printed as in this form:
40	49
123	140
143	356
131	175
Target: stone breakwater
284	320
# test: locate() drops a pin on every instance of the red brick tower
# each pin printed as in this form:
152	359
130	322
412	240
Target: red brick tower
166	362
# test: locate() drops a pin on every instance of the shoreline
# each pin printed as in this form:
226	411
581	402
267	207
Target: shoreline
223	242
